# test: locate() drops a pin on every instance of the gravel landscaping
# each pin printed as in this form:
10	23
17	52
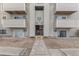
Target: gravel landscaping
62	43
17	42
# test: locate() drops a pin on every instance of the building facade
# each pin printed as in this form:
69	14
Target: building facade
45	19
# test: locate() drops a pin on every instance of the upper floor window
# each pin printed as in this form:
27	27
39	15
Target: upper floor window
39	7
64	17
16	17
61	17
19	17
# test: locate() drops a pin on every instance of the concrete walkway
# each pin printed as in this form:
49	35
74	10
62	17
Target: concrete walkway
39	48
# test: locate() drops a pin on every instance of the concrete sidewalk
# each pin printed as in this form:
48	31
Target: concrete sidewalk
12	51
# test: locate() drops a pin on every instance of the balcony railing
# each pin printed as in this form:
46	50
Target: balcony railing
14	23
67	23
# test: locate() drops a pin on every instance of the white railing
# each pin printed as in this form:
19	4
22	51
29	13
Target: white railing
68	23
14	23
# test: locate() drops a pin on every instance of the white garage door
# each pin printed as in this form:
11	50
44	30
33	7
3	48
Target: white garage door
19	33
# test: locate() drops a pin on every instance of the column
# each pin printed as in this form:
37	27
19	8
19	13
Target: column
32	19
46	19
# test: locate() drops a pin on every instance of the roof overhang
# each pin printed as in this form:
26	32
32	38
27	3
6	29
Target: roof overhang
64	12
16	12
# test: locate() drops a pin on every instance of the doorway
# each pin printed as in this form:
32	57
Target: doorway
62	34
38	29
19	33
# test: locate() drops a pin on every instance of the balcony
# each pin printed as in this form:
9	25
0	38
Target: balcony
19	23
67	7
14	8
67	23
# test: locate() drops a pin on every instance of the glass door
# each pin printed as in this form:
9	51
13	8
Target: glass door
39	29
62	34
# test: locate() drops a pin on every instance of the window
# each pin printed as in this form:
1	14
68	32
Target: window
20	17
2	31
62	34
61	17
16	17
64	17
39	7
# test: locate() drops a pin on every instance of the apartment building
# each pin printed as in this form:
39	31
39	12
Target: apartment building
32	19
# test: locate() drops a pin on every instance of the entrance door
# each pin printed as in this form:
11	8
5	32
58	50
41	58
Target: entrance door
62	34
39	29
19	33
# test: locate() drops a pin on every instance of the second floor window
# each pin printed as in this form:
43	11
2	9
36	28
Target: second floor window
61	17
16	17
64	17
19	17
